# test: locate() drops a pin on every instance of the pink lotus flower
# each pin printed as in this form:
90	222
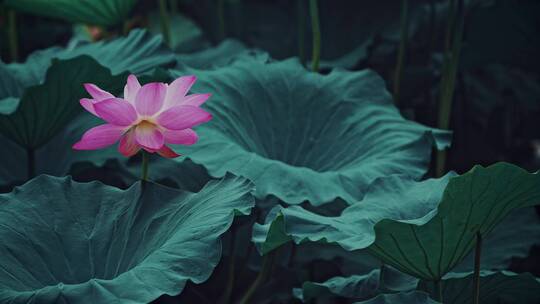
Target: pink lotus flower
148	117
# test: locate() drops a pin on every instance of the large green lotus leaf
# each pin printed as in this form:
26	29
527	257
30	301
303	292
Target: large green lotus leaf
475	202
219	56
410	225
137	53
411	297
507	241
69	242
358	287
96	12
301	136
495	287
44	110
353	229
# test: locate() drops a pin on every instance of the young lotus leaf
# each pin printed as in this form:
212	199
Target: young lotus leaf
45	109
357	287
495	287
302	136
137	53
401	221
412	297
68	242
95	12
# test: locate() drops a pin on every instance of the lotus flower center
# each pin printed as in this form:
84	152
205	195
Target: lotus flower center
146	125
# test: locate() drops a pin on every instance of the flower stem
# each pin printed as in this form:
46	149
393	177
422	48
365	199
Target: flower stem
264	273
226	296
292	255
145	161
450	68
165	25
477	255
31	163
221	19
402	49
301	19
438	291
174	6
381	275
12	36
450	24
316	32
126	27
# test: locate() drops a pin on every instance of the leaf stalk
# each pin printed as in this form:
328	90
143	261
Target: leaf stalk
12	36
145	161
221	19
31	163
476	277
316	32
165	22
400	62
301	21
262	277
448	80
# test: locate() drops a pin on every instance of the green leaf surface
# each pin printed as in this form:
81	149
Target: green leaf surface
475	202
301	136
69	242
512	238
495	287
139	52
394	197
9	84
95	12
412	297
358	287
411	225
8	105
44	110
